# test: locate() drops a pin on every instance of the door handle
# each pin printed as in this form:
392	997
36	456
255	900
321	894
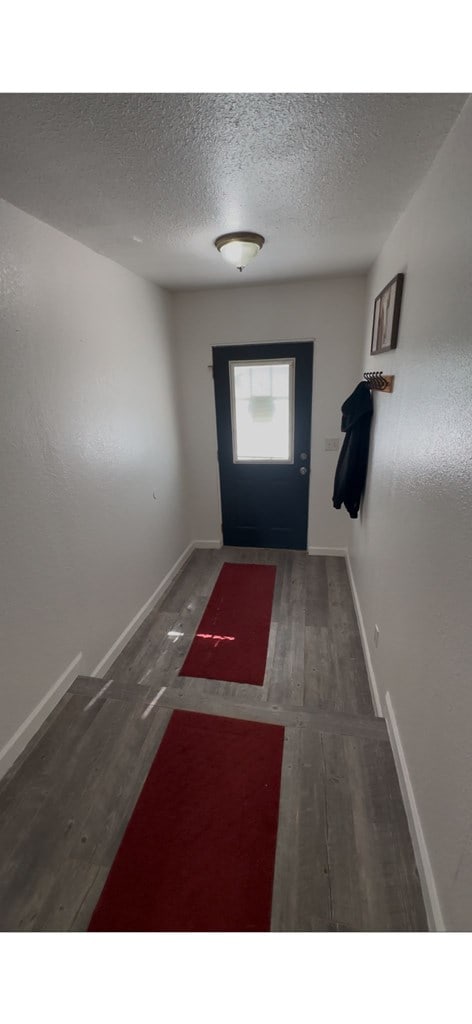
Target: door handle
303	471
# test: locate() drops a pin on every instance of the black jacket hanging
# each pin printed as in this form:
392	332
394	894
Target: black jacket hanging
351	470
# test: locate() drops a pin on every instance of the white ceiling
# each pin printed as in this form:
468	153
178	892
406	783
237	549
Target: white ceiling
151	180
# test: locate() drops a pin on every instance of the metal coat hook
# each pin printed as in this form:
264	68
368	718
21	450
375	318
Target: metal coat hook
378	381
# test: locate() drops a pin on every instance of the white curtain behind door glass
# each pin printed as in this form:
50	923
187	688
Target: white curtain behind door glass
261	411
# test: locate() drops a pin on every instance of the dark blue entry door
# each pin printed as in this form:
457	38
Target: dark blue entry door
263	415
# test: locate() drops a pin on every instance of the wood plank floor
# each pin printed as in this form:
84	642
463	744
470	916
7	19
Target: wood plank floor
344	858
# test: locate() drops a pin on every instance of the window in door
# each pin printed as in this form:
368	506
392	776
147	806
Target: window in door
262	410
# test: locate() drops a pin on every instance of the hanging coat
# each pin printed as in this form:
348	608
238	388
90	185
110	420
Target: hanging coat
351	470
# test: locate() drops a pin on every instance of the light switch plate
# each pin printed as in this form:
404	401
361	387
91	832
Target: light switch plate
331	444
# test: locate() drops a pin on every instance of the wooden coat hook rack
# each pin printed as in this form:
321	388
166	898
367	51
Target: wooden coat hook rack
379	381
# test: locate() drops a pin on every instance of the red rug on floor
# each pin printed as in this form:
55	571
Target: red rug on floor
198	853
231	640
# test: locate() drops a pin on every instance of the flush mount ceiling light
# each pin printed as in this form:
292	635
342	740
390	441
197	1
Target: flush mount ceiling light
239	247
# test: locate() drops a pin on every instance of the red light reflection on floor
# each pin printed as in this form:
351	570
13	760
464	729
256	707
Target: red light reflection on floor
214	636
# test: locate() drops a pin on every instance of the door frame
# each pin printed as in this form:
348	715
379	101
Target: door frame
248	344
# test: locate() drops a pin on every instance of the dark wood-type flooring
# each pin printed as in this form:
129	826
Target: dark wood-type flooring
344	858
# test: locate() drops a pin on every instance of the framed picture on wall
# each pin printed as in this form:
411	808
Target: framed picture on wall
387	316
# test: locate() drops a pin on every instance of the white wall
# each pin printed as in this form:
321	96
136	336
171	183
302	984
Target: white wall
88	429
411	552
329	310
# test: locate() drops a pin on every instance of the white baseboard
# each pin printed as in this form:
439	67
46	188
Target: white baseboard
338	552
208	544
117	647
428	885
374	690
30	726
425	871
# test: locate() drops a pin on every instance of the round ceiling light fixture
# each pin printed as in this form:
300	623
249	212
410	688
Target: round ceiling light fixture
238	247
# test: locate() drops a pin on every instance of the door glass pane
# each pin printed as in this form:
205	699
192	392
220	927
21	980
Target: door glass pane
262	410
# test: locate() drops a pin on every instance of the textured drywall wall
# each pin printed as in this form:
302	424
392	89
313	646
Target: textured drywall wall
88	430
328	310
411	551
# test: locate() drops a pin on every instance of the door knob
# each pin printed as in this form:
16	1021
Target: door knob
303	471
303	455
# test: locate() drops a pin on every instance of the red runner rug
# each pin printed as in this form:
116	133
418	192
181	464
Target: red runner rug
198	853
231	640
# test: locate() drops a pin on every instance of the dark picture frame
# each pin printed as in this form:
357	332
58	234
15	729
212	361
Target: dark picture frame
387	316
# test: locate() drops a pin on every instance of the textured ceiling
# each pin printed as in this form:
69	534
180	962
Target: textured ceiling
151	180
